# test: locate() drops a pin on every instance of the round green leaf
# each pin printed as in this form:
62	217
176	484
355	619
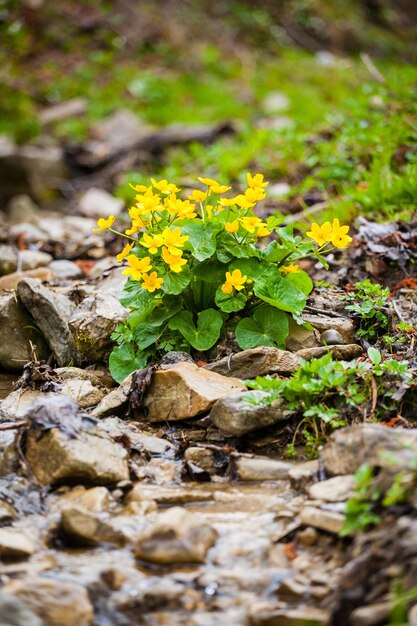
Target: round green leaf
267	327
205	334
124	360
230	302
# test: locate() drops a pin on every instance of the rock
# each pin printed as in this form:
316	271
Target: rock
279	190
275	102
8	260
120	130
256	362
88	458
83	392
98	376
65	270
308	536
85	527
95	499
17	403
168	495
185	391
289	617
303	474
373	615
342	325
56	602
330	521
412	616
348	448
300	337
113	282
32	259
15	544
340	353
173	357
9	282
234	415
17	335
14	612
21	208
63	111
99	203
7	512
51	312
251	468
336	489
115	402
92	323
202	458
177	536
331	338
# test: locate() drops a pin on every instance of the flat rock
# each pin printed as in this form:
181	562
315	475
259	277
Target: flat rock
56	602
342	325
185	391
85	527
115	402
99	203
330	521
65	270
374	615
92	323
51	312
300	337
8	259
254	468
83	392
303	474
15	544
17	403
336	489
88	458
177	536
16	335
340	353
9	282
169	495
234	415
348	448
256	362
14	612
289	617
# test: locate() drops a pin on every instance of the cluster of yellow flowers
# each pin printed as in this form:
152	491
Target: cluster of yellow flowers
333	233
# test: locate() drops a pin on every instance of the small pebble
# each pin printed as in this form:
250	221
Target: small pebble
331	338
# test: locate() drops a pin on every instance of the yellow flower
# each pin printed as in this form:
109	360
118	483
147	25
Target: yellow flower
126	250
174	240
254	195
339	235
152	242
148	202
164	186
175	262
232	227
219	188
256	182
227	201
320	234
139	188
250	223
104	224
137	266
198	196
290	269
234	280
151	282
243	202
263	231
210	182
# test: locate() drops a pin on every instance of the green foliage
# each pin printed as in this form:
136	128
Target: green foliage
359	508
329	394
369	304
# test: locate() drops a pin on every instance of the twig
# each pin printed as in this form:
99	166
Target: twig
313	309
397	310
13	425
371	67
315	208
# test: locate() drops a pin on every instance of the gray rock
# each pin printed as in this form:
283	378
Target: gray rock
412	616
17	334
253	468
55	602
18	402
115	402
288	616
275	102
184	391
113	283
234	415
7	512
63	110
14	612
51	312
85	527
373	615
99	203
303	474
342	325
342	353
336	489
348	448
21	208
92	323
15	544
88	458
331	338
121	130
32	259
8	260
203	458
177	536
300	337
330	521
65	270
256	362
31	234
83	392
168	495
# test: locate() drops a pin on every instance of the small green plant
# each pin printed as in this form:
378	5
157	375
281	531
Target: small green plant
359	508
197	272
369	304
330	394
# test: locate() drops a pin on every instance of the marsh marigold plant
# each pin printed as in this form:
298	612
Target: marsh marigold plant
203	265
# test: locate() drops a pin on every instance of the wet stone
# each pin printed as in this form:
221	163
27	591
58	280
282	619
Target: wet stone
331	338
330	521
289	617
303	474
84	527
15	612
15	544
256	362
336	489
261	468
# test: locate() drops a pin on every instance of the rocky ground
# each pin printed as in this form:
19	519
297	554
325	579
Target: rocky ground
167	499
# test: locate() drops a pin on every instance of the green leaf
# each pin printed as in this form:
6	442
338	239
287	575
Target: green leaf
374	355
134	296
202	239
124	360
301	280
176	282
280	292
252	268
210	271
230	302
204	336
268	327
